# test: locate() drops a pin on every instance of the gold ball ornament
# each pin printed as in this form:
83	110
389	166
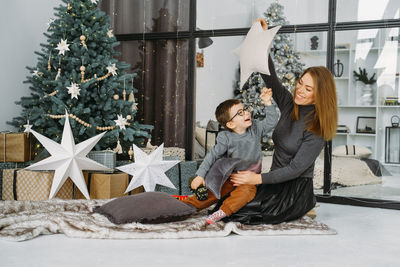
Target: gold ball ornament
82	68
116	97
82	37
128	117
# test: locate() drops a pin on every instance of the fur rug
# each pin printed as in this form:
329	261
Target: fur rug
24	220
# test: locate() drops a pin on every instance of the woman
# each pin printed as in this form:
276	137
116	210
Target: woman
308	119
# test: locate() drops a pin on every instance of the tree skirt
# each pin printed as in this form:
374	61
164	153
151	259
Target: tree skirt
24	220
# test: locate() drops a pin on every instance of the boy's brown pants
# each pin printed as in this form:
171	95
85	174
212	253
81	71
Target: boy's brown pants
240	196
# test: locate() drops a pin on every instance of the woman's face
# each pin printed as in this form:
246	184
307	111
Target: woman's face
304	93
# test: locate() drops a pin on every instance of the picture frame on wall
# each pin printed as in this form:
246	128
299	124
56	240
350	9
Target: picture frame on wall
366	125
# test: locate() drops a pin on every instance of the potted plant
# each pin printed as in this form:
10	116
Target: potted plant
362	76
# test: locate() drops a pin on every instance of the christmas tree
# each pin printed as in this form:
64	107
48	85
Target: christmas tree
77	72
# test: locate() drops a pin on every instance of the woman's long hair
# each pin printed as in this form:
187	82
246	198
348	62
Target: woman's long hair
324	120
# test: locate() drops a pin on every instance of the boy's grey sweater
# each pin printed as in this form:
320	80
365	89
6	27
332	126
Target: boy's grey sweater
246	146
295	148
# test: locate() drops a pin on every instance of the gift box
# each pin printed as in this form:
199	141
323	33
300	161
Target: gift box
16	147
179	176
107	158
20	184
10	165
105	186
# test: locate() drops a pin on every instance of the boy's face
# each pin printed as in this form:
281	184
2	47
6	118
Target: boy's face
241	118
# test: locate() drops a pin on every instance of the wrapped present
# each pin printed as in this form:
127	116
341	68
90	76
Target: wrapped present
10	165
179	176
107	158
32	185
168	152
16	147
105	186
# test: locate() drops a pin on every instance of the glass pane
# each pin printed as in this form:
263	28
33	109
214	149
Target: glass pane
366	73
138	16
312	48
225	14
162	72
361	10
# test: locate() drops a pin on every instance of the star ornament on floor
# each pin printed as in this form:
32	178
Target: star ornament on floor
68	159
148	170
253	52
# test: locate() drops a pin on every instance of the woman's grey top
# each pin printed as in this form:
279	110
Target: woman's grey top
295	148
246	146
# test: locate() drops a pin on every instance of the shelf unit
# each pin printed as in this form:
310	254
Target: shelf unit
349	92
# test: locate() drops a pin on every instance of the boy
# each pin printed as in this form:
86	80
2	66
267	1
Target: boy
242	141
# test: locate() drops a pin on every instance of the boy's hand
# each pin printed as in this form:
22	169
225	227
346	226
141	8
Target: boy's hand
266	96
197	182
264	25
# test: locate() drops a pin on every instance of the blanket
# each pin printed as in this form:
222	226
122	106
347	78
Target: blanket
24	220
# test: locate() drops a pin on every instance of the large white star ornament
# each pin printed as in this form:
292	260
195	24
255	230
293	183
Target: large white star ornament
74	90
68	159
62	46
253	52
148	170
112	69
121	122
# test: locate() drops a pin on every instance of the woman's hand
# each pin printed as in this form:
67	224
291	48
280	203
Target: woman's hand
264	25
245	177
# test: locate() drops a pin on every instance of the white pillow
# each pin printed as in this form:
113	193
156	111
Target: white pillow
351	151
200	135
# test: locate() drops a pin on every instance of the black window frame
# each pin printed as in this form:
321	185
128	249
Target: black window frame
331	27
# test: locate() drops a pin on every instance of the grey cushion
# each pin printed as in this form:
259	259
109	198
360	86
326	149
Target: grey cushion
219	172
147	207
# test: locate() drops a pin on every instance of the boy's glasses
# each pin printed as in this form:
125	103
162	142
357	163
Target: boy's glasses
241	112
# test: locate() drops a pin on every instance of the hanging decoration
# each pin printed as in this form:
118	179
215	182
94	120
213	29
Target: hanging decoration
110	33
62	46
88	125
112	69
148	170
74	90
83	38
28	127
68	159
118	148
121	122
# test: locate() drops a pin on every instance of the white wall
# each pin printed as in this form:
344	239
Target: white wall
22	24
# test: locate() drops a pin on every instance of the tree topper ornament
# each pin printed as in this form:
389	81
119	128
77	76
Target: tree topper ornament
68	159
148	170
253	52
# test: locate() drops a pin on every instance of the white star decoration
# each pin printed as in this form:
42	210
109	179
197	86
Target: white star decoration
253	52
74	90
28	127
36	73
68	159
134	106
51	20
62	46
112	69
110	33
93	1
148	170
121	122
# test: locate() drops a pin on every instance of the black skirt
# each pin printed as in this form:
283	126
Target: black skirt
276	203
